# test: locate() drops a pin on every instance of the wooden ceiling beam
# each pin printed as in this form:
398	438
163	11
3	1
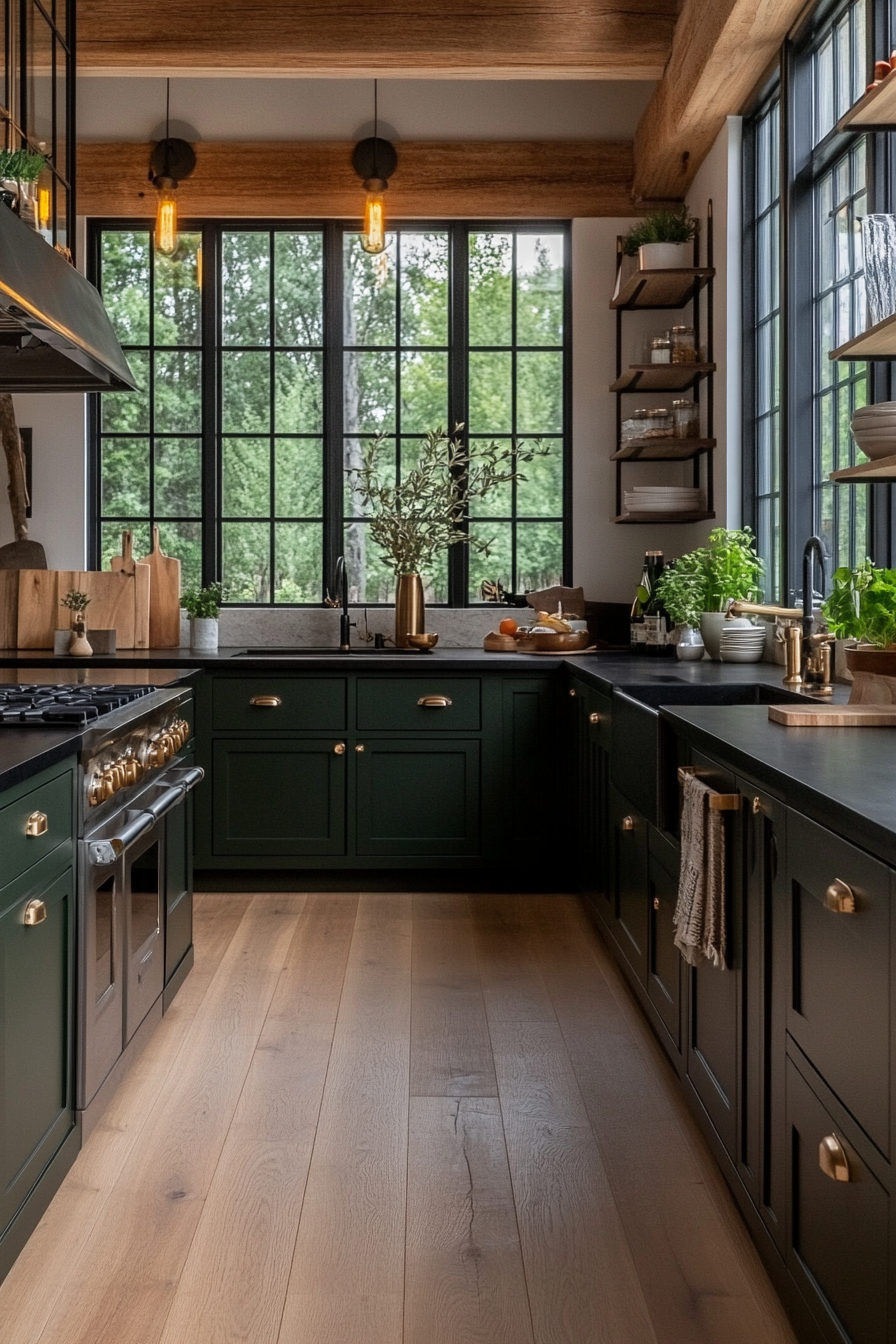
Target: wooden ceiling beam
720	51
308	179
468	39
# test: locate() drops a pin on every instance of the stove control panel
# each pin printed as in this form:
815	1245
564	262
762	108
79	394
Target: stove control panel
122	769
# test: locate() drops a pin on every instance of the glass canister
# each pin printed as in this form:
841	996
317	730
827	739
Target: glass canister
653	423
684	345
661	350
685	419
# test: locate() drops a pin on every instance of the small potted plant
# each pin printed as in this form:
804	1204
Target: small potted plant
862	609
681	591
663	240
727	569
19	171
77	603
203	606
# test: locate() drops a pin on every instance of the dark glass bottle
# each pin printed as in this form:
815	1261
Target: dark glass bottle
656	621
638	627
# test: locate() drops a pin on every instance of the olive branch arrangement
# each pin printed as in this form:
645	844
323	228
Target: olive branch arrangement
424	515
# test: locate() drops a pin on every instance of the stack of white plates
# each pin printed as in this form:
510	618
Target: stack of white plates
665	499
874	429
742	643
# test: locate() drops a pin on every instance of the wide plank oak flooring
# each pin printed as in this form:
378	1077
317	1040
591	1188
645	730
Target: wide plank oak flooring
395	1119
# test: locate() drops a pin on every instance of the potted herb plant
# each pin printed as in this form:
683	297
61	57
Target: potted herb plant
77	603
681	591
862	608
415	522
203	606
19	171
727	569
663	240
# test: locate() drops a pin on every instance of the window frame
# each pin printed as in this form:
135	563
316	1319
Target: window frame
333	231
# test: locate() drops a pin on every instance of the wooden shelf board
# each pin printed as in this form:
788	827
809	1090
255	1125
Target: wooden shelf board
878	342
874	110
661	450
662	289
883	469
662	518
661	377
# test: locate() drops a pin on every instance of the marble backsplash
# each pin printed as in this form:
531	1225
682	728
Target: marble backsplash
267	627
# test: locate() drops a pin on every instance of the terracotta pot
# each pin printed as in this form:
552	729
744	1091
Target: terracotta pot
881	662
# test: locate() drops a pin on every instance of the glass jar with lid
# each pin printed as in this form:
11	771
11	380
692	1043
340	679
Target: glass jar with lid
685	419
683	345
654	422
661	350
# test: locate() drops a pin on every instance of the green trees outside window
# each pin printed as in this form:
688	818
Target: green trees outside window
267	355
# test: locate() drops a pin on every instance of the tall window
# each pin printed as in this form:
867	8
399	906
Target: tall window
268	357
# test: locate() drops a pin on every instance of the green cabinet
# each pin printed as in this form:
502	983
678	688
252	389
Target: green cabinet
630	925
417	798
278	797
665	970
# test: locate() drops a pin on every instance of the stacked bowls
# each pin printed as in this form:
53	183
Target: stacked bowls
665	499
874	429
742	643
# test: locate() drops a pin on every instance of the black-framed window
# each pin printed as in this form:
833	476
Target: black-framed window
269	352
828	179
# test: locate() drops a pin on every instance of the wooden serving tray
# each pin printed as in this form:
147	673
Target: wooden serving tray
834	716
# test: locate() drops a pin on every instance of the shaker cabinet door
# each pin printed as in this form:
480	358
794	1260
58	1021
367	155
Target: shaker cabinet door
628	842
417	798
284	797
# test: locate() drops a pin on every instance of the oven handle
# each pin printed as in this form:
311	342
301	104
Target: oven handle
181	780
103	852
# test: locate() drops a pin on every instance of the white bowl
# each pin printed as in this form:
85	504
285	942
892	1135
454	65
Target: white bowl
741	656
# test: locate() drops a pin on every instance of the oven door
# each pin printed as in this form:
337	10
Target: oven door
101	968
144	885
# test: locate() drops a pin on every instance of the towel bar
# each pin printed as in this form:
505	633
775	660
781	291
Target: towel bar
718	802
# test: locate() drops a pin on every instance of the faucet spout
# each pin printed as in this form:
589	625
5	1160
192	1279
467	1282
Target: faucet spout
340	584
813	552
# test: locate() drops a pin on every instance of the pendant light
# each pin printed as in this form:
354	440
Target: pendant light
374	160
172	161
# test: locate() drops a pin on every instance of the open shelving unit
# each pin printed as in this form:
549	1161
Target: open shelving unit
655	291
867	473
875	110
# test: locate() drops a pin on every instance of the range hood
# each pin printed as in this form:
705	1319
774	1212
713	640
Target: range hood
55	334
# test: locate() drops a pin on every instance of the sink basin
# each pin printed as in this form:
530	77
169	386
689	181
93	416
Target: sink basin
734	693
327	651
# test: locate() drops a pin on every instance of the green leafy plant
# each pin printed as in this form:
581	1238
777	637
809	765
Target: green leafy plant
671	225
21	165
862	605
76	602
203	604
412	523
727	569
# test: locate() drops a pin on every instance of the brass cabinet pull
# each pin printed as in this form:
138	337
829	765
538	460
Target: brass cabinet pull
339	748
434	701
832	1158
36	824
35	913
572	692
360	747
266	701
594	717
840	898
757	806
656	902
628	823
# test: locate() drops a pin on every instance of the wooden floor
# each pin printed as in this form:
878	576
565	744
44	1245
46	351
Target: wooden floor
394	1119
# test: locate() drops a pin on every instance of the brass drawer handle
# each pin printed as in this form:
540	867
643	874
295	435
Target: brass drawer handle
628	823
832	1158
35	913
266	701
359	748
339	748
434	701
594	717
572	692
840	898
36	824
757	806
656	902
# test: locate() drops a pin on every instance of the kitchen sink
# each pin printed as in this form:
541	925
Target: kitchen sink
653	694
328	651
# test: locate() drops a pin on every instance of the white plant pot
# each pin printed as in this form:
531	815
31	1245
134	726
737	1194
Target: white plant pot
204	633
665	256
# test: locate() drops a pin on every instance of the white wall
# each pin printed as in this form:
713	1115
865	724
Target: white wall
59	480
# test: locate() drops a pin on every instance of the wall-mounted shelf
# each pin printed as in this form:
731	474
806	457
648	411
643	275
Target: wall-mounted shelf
662	518
661	450
878	342
662	289
883	469
661	377
875	110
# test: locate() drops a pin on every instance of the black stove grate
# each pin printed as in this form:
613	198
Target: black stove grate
35	706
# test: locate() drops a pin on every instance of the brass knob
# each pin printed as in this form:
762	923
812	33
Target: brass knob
572	692
359	748
434	701
156	755
832	1158
119	774
840	898
109	778
36	824
628	823
656	902
757	806
339	748
266	701
35	913
100	789
594	717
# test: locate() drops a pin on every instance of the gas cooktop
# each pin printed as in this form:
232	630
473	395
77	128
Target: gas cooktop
37	706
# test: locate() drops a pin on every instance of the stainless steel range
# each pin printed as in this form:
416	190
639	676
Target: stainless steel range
134	914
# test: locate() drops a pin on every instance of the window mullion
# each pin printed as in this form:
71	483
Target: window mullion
334	543
458	401
211	355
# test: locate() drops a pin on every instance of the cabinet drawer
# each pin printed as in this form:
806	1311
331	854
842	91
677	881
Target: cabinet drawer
839	1009
305	704
395	704
54	800
839	1230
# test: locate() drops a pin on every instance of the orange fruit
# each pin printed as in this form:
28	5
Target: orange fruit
508	626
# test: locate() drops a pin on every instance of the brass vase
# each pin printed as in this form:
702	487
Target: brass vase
410	611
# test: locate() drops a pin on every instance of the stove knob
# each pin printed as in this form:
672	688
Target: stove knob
132	769
156	754
97	792
110	779
119	774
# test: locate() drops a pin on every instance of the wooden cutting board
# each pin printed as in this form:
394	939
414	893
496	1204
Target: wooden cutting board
136	635
164	597
33	610
834	716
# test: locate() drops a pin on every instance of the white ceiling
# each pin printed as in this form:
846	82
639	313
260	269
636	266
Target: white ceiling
339	109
